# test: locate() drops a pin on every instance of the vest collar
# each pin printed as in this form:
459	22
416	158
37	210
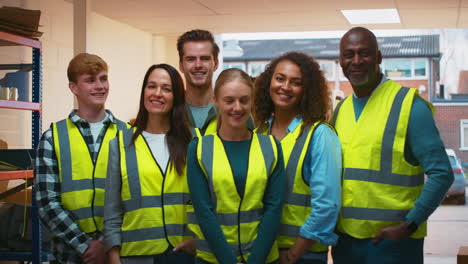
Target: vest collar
291	127
382	81
109	118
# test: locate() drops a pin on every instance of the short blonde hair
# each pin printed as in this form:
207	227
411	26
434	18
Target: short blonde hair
85	63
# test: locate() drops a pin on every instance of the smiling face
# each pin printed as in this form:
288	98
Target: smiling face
158	95
198	63
360	59
234	103
286	86
91	90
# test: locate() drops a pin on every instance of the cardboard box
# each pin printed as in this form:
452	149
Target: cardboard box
462	256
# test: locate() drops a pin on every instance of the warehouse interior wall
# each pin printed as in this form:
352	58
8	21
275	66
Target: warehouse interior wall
127	50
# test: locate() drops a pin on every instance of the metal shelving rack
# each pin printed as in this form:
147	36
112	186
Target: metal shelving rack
8	39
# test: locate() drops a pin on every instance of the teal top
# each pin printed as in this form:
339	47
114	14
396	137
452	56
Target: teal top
423	147
236	151
201	114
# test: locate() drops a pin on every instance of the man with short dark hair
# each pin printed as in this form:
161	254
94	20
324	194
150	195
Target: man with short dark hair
389	140
198	60
71	166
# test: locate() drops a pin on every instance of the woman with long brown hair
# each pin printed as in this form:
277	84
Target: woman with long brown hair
147	193
291	102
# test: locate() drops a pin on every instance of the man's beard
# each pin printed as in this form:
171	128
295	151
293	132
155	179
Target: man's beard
361	82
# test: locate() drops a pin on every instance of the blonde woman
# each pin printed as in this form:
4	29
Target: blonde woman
236	182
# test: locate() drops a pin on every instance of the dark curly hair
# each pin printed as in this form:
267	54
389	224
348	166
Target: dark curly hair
315	100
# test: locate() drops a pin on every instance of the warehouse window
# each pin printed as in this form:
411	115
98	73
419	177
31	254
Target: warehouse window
404	69
257	67
237	65
328	68
464	134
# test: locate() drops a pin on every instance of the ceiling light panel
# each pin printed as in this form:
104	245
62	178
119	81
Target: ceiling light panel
371	16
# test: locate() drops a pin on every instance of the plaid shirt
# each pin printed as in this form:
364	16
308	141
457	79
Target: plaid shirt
69	242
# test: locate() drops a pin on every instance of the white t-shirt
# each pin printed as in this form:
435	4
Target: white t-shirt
158	146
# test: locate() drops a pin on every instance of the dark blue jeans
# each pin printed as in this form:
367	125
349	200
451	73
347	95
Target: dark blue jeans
171	257
313	258
167	257
201	261
350	250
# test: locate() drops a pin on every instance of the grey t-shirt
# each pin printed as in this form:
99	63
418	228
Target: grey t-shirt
199	113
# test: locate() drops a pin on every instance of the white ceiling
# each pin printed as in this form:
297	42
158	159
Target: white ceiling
171	17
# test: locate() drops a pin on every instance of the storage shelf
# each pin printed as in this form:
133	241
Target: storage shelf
9	39
16	175
36	255
21	105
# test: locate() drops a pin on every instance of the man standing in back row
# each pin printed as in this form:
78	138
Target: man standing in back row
389	140
198	60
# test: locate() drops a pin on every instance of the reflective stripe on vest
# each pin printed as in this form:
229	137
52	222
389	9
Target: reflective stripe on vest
81	179
379	186
238	217
297	205
233	219
153	203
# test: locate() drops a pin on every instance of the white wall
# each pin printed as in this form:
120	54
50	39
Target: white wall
128	52
57	43
165	50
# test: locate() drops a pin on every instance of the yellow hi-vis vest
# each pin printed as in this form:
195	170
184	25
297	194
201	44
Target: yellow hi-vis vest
210	126
153	201
211	129
239	217
82	181
297	205
379	185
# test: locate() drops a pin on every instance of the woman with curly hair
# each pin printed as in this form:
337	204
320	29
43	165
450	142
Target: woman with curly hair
291	102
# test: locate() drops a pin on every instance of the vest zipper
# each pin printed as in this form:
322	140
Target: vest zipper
239	230
162	205
94	170
162	191
92	201
241	196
